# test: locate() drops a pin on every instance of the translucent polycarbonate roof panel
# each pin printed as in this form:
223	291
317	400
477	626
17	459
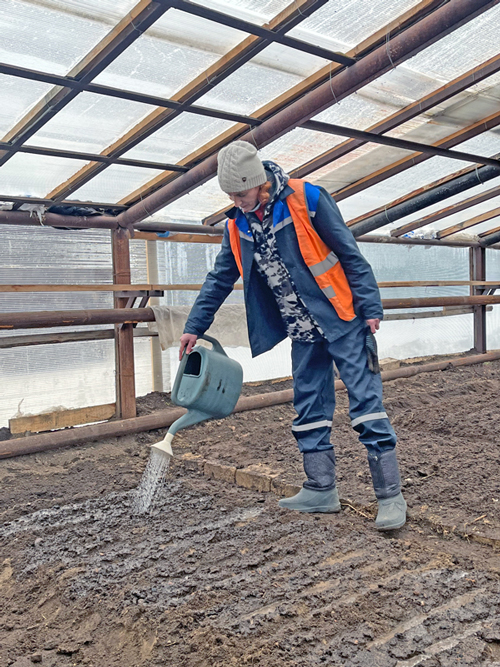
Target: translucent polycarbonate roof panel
454	55
196	205
256	83
90	123
53	36
298	147
355	165
179	138
399	87
461	50
489	86
114	183
167	57
255	11
35	175
358	111
18	96
346	23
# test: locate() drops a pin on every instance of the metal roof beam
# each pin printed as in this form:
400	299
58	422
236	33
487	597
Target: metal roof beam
109	91
259	31
371	137
427	31
76	155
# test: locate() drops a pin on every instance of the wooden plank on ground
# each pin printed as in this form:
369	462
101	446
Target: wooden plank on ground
48	421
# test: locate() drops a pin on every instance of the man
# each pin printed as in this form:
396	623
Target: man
304	277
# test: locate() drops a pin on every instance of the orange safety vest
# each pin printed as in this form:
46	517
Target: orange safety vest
321	261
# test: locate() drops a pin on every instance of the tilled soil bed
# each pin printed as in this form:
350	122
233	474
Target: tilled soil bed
218	575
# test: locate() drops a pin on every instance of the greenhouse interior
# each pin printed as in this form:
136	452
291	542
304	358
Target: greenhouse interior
118	237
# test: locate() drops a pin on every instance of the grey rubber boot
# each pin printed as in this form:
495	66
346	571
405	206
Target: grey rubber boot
387	486
319	493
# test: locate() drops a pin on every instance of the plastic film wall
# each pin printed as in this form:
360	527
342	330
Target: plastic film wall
41	377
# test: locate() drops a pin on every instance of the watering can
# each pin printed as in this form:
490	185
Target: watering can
208	383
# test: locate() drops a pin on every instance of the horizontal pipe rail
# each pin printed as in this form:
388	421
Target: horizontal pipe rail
164	418
57	220
61	318
109	288
432	302
26	340
238	286
214	233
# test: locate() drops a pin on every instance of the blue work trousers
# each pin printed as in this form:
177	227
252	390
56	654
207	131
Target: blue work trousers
314	393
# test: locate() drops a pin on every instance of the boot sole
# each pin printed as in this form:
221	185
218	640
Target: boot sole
385	528
313	510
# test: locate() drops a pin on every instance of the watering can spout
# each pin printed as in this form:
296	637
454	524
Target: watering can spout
191	417
164	447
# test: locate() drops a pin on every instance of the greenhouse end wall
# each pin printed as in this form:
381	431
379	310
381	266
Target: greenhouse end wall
70	375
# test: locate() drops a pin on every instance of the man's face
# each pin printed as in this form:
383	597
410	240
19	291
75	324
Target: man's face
246	200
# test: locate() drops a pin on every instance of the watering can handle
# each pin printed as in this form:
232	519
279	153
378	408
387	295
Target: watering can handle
216	345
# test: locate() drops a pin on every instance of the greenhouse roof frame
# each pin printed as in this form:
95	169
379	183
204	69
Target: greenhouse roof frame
298	53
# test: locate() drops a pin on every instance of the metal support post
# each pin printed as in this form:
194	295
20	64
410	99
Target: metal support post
477	269
153	279
124	333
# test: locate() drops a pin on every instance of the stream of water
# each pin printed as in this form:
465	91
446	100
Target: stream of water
151	481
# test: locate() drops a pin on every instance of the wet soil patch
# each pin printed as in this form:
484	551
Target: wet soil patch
218	575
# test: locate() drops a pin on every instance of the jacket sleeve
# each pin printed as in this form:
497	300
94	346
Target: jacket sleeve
218	285
332	229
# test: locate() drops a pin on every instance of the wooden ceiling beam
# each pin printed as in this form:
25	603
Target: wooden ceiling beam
476	220
447	211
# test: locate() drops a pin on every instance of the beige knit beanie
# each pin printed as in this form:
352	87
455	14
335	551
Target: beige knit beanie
239	167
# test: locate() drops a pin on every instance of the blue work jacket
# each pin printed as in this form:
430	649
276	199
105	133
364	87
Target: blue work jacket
265	325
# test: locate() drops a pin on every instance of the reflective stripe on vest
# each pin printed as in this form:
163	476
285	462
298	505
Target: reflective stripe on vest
320	260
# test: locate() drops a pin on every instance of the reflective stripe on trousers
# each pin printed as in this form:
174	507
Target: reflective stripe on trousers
314	394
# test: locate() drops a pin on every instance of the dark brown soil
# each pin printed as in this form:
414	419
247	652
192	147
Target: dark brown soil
218	575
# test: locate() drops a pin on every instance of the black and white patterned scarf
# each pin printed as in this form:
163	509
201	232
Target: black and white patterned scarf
298	321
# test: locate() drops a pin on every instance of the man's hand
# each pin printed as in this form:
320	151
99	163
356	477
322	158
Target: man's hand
373	324
188	341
